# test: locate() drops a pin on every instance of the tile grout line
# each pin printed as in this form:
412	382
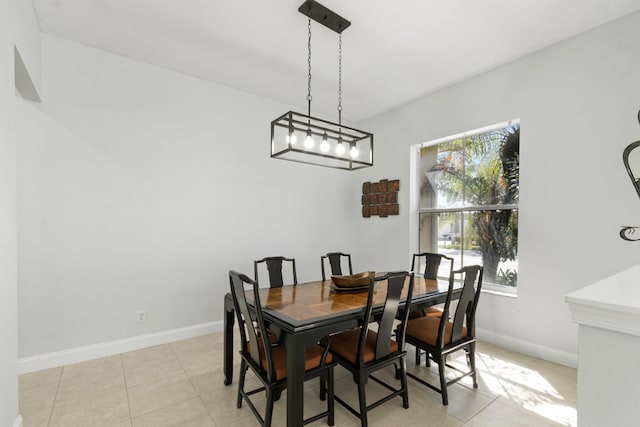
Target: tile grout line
156	409
192	385
494	400
168	405
126	389
55	397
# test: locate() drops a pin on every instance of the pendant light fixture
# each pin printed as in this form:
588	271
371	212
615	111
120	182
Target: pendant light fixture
302	138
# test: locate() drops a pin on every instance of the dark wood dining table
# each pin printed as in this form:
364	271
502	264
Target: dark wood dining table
305	313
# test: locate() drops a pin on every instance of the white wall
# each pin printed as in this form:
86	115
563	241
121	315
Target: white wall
26	37
139	188
18	28
578	103
8	283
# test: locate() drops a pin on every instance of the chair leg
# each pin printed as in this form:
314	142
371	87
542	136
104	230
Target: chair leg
472	363
323	386
403	383
363	401
418	357
268	414
243	372
331	398
443	380
398	370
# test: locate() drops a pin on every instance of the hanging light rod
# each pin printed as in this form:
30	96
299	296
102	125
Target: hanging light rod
306	139
324	16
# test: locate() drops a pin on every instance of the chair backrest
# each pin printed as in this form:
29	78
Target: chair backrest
335	261
465	313
274	266
396	283
253	333
432	264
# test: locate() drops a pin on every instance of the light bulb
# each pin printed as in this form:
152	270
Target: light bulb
340	147
308	142
291	138
354	152
324	147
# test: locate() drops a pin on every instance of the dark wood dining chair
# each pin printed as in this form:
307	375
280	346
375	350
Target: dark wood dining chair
268	361
274	267
363	351
440	337
335	263
432	262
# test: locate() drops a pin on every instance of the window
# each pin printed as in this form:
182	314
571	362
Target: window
467	192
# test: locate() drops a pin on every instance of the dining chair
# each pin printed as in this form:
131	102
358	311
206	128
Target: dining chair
363	351
440	337
432	262
335	262
274	266
269	361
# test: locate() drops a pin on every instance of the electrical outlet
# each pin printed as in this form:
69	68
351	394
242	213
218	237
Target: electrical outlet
142	316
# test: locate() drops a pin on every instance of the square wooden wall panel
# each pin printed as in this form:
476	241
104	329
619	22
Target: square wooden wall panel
380	198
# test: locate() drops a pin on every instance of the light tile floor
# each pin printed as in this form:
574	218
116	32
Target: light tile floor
181	384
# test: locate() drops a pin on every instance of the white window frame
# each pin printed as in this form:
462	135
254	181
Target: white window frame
414	198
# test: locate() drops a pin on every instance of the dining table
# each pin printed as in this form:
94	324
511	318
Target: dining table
306	312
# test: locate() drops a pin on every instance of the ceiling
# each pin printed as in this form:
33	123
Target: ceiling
393	53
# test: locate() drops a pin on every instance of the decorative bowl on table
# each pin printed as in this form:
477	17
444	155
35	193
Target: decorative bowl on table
353	281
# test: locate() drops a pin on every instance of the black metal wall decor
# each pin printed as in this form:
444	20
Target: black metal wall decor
631	159
305	139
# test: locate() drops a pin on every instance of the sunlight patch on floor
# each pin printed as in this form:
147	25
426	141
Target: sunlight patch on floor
526	388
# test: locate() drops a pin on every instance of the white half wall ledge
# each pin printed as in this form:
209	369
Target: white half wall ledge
529	348
612	303
608	315
18	421
110	348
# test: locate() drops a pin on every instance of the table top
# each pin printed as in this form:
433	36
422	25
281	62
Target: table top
310	302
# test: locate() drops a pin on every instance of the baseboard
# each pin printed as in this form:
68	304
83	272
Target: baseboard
94	351
532	349
18	421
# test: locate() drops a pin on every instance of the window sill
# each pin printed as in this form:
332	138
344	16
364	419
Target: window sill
501	292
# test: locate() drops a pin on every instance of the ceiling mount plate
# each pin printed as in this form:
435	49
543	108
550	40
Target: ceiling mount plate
324	16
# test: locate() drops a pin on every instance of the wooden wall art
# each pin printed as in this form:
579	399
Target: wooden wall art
380	198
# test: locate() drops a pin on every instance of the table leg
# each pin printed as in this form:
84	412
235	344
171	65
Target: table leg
295	380
229	319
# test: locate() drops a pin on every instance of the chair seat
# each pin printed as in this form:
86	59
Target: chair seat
425	329
427	311
434	311
345	345
312	359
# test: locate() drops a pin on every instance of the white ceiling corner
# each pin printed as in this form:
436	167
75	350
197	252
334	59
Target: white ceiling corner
393	53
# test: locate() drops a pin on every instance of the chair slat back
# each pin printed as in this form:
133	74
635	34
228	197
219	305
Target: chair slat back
464	315
396	283
432	264
335	262
274	267
253	333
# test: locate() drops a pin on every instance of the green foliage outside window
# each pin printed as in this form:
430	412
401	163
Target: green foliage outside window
479	175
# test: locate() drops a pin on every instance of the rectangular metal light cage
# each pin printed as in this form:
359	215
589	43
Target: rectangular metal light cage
345	147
